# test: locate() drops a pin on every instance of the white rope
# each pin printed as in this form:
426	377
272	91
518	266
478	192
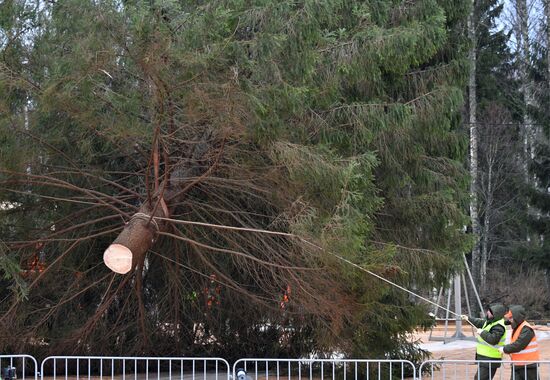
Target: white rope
221	226
147	218
143	216
313	245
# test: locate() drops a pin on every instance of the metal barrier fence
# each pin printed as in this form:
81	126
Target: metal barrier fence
322	369
472	369
133	368
18	367
25	367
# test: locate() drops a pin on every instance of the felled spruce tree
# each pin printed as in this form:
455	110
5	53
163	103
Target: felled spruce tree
334	120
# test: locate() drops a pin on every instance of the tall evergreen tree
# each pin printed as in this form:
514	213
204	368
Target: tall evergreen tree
334	120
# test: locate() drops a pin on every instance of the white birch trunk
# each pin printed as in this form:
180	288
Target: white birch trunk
547	8
547	13
526	85
472	111
486	226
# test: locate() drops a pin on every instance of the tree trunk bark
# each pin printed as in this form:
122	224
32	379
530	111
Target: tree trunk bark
526	86
547	8
472	119
486	228
140	233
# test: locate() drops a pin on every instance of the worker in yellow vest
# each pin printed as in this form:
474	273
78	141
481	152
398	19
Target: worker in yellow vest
491	335
523	348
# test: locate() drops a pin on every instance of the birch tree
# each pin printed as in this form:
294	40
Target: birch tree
547	13
522	29
473	157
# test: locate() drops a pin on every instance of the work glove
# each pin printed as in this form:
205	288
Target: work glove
464	317
479	331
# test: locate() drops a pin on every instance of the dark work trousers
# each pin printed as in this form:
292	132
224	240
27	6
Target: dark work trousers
525	372
486	371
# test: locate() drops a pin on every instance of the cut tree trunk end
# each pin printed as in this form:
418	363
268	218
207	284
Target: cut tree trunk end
129	248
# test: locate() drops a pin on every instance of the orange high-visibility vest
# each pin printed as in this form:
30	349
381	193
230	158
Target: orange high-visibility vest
529	354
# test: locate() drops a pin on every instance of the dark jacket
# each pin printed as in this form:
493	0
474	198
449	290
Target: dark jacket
496	332
526	334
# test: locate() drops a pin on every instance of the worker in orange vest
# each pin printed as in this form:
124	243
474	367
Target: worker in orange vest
523	348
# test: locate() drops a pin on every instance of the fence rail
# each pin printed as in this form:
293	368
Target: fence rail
25	367
475	369
322	369
133	368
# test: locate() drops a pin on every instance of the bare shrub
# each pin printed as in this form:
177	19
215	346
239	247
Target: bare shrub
526	286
